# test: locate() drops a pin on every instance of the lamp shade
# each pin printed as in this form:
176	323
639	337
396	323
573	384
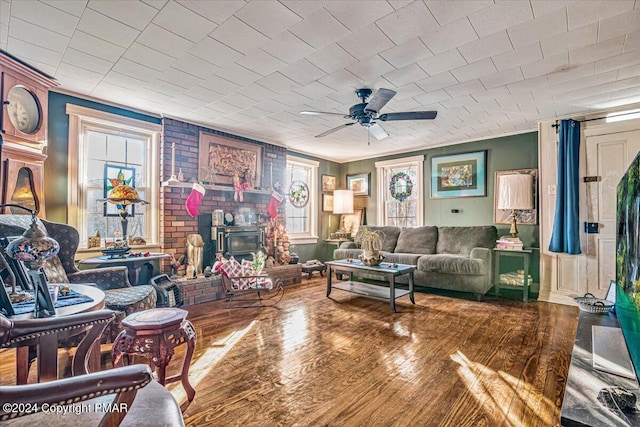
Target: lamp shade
343	202
123	195
515	191
33	247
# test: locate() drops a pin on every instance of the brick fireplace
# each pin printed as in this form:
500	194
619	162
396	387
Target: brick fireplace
175	222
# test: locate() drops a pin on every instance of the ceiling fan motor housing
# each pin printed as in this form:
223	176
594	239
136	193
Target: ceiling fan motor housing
357	113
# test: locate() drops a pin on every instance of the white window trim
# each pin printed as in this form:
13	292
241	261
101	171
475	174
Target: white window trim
418	162
81	118
312	236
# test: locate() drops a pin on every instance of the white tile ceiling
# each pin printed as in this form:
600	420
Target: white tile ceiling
249	67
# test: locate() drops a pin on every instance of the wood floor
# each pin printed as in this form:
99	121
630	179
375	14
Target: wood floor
349	361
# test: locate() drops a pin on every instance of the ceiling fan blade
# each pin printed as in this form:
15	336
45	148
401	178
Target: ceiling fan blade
317	113
377	131
409	115
380	99
325	133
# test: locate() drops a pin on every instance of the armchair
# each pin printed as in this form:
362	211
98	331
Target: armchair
120	296
84	399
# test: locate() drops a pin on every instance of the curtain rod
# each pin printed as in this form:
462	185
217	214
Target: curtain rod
555	125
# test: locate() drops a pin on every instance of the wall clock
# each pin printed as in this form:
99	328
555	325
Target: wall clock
24	110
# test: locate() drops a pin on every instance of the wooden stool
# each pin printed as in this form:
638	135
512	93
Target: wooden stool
155	334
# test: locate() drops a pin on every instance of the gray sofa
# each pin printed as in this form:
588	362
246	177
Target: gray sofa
454	258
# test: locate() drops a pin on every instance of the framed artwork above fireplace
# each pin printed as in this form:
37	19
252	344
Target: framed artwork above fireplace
221	158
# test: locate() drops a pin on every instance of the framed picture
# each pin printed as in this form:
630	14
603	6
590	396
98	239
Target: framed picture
115	175
459	175
328	183
220	159
327	203
352	222
503	216
359	184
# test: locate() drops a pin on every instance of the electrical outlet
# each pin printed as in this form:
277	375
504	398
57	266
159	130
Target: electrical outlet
552	190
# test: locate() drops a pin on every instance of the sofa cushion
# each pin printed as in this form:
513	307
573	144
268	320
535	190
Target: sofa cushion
389	236
400	258
460	240
417	240
452	264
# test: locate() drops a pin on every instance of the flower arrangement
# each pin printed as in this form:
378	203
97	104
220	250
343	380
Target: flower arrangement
371	242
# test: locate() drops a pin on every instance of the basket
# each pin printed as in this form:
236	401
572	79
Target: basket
590	304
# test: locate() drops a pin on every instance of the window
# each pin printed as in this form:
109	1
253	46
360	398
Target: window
400	191
101	145
301	199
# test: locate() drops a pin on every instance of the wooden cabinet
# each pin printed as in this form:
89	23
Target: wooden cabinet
23	126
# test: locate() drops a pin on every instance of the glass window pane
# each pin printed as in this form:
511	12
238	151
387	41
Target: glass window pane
116	149
97	145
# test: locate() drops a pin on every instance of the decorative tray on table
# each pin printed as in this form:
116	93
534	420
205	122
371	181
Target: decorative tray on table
116	252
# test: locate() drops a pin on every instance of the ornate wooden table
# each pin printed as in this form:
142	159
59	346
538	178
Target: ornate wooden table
48	345
155	334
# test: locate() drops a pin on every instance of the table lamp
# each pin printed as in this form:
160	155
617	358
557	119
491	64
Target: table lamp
342	204
33	248
515	193
122	196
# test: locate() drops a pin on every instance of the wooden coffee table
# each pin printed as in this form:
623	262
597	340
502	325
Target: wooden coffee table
385	272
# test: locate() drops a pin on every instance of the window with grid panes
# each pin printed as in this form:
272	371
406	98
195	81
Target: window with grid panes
405	211
102	140
302	220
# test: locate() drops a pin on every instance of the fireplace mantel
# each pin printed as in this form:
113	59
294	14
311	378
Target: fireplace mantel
212	187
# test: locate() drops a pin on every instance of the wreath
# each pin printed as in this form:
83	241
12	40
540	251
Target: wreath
298	194
400	181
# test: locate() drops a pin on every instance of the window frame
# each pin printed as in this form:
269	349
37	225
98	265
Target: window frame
413	161
82	119
312	235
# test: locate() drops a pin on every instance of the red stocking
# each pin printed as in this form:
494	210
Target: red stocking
274	202
194	199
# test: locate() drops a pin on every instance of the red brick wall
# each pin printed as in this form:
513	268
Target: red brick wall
175	222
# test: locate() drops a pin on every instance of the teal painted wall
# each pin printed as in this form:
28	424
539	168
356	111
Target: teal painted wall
56	166
510	152
320	251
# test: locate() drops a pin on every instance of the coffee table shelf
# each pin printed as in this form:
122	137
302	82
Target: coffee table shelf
369	289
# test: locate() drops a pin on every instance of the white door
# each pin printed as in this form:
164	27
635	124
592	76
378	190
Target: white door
608	157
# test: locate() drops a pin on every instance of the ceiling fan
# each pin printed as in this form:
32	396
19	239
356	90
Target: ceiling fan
366	113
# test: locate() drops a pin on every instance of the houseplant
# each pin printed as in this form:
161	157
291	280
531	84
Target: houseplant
371	242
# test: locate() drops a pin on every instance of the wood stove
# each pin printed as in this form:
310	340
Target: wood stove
236	241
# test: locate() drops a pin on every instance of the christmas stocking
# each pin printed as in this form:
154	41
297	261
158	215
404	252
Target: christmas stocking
274	202
194	199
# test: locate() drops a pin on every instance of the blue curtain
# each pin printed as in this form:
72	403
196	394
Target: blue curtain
566	227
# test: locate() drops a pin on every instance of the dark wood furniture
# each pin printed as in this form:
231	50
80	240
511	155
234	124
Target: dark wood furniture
47	344
121	396
155	334
22	153
385	272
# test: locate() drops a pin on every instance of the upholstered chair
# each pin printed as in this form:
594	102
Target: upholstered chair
120	296
86	399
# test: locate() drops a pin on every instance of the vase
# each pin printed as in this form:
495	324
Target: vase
371	257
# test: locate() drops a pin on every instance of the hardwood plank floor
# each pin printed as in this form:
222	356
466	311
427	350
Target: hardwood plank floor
349	361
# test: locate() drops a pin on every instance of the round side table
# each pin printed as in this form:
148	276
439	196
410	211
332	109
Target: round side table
155	334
